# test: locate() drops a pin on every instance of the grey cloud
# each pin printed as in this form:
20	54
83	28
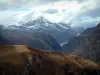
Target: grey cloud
3	7
88	18
92	13
85	21
22	3
88	24
26	3
51	11
28	17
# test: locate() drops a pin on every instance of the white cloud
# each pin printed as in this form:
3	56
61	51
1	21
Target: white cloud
70	11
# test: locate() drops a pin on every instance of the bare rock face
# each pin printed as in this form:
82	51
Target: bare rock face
87	44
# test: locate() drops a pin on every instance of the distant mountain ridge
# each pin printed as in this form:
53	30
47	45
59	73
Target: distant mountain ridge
42	23
36	40
40	34
60	31
87	44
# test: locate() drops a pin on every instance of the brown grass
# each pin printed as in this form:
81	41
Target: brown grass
16	56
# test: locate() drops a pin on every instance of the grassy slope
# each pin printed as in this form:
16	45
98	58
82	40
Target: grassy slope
14	57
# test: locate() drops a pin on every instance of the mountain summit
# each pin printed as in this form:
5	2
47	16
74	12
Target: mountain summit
43	23
60	31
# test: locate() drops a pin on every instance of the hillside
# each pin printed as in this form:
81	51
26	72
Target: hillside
87	44
14	56
24	60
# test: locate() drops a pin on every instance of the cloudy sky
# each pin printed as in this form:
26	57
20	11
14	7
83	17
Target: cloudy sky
75	12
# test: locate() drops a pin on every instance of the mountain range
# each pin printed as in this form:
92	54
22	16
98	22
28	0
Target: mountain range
36	48
60	31
39	33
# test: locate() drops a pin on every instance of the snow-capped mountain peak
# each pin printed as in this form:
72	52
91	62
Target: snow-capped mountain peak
42	23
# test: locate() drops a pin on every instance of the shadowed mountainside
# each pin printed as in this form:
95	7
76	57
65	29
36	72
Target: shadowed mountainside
3	40
87	44
32	38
